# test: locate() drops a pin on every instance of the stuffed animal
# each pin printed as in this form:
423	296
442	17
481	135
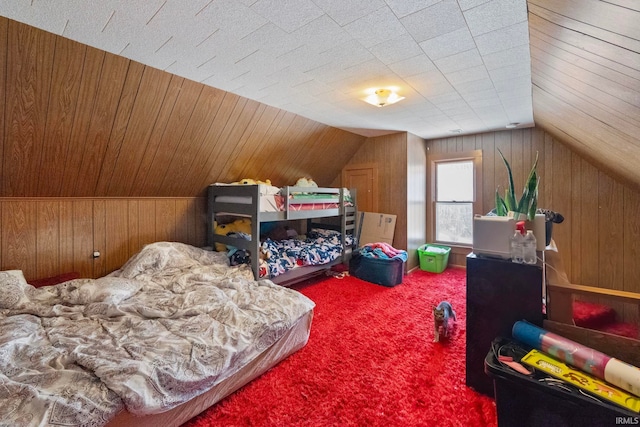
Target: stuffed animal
241	225
249	181
306	182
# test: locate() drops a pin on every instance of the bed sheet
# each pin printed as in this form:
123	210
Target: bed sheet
174	321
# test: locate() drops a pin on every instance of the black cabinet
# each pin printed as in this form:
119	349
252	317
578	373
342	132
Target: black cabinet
499	293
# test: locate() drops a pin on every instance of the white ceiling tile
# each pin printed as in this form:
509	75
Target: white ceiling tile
303	58
321	34
511	71
495	15
468	4
230	15
468	59
471	87
396	49
288	14
472	96
412	66
375	27
406	7
467	75
171	15
441	18
271	38
479	103
448	44
425	82
344	12
515	55
517	85
446	98
503	39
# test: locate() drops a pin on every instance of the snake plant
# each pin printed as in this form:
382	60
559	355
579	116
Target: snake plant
528	202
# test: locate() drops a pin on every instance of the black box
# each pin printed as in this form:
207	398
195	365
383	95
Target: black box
527	401
385	272
499	293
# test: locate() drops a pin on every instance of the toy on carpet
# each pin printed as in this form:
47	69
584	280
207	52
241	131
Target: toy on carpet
249	181
339	271
241	225
441	318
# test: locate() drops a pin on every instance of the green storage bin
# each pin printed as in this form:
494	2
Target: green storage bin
433	258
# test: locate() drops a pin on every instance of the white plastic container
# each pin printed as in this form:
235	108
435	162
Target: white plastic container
529	248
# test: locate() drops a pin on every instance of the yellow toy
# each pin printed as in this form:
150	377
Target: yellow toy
241	225
249	181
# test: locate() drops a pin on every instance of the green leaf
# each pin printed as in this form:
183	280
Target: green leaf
528	203
501	208
510	196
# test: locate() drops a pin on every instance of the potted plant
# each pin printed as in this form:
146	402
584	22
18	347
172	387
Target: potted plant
526	206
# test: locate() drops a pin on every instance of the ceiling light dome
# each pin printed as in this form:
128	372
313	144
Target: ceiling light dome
382	97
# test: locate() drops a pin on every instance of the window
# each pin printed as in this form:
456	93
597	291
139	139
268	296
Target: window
454	196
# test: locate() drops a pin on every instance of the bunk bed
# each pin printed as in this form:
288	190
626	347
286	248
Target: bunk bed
322	208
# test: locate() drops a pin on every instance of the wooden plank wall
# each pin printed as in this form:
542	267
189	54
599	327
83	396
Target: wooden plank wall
45	237
81	122
389	153
585	71
599	241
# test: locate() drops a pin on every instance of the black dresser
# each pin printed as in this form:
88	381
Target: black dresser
499	293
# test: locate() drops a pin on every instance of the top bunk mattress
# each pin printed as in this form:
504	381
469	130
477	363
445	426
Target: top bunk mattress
275	199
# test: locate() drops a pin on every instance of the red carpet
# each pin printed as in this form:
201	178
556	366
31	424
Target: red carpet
370	361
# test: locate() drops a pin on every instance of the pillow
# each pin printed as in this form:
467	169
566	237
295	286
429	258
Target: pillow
12	289
54	280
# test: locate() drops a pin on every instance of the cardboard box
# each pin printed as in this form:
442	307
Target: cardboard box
376	227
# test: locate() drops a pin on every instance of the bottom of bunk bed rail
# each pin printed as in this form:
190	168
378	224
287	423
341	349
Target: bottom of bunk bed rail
298	275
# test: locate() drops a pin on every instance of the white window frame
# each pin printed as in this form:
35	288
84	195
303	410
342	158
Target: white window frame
432	160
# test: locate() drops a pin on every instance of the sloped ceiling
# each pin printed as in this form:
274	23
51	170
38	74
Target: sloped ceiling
78	121
585	70
583	57
461	65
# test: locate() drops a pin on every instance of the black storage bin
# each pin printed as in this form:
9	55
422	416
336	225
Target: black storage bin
385	272
526	401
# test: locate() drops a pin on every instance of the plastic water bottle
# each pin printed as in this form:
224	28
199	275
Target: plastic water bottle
529	248
517	247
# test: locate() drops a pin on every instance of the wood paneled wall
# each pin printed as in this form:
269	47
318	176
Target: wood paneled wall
400	157
49	236
585	71
80	122
599	241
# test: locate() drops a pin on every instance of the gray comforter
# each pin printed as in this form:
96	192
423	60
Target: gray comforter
171	323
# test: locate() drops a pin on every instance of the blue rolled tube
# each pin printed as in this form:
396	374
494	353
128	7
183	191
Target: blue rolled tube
528	333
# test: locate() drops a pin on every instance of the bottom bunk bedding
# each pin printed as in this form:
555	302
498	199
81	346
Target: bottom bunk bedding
171	324
318	248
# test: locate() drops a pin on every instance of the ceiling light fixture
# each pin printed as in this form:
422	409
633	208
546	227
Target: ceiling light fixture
512	125
382	97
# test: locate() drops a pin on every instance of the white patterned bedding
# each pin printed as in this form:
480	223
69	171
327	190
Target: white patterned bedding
171	323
